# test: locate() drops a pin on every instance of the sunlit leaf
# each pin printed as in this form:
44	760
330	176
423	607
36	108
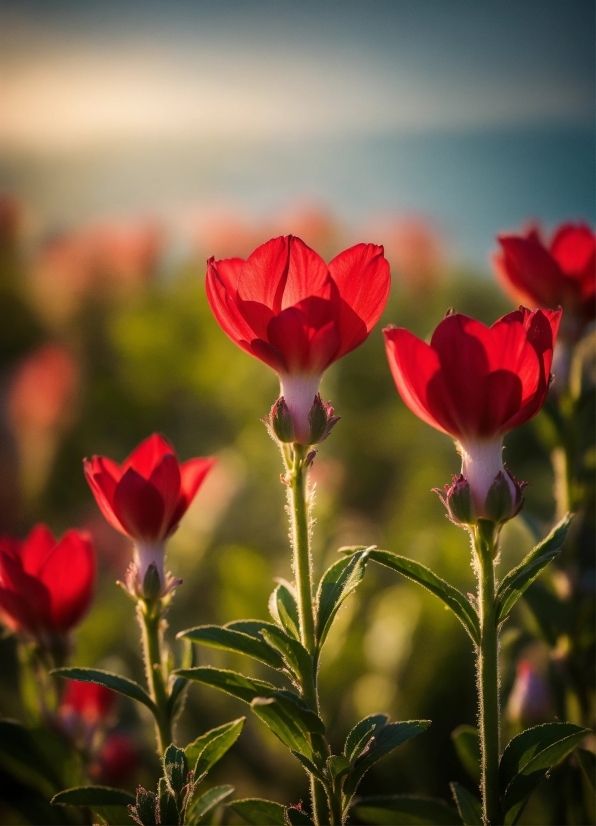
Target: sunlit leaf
337	583
244	688
92	796
259	812
122	685
284	610
175	768
527	759
205	803
232	639
297	817
359	737
521	577
204	752
295	657
453	598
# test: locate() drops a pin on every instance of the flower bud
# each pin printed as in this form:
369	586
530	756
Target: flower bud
280	421
500	505
457	499
321	420
529	701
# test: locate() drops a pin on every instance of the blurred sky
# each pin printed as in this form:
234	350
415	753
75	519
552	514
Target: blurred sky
478	114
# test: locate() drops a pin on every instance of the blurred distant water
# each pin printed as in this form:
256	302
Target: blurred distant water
472	185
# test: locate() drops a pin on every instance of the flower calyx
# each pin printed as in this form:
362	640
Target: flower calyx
503	501
321	420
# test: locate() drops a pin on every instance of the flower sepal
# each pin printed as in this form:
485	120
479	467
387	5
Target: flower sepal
281	427
321	420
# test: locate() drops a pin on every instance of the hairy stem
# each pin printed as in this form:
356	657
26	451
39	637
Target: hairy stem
151	622
301	563
488	683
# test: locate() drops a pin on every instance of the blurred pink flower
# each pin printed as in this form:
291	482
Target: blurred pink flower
415	249
529	701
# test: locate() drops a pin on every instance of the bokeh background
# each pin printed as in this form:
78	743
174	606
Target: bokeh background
136	139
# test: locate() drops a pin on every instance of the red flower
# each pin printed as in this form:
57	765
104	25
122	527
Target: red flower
146	497
92	703
562	273
476	383
285	306
46	586
117	761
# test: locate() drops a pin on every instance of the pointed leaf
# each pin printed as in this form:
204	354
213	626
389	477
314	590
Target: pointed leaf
337	583
338	766
175	769
468	806
244	688
284	610
122	685
521	577
166	805
453	598
359	737
204	752
92	796
145	810
384	740
297	817
259	812
310	767
295	657
587	762
205	803
528	758
467	745
284	723
232	639
405	810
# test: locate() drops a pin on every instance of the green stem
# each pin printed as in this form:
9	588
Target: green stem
301	563
488	683
151	622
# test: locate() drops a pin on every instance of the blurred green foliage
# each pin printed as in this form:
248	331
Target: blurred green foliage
156	360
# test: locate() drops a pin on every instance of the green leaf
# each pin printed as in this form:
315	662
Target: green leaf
468	805
205	803
453	598
297	817
467	745
338	766
233	639
175	769
337	583
204	752
358	738
284	610
527	759
259	812
406	810
122	685
145	810
521	577
587	762
295	657
310	767
166	805
93	796
283	721
384	740
244	688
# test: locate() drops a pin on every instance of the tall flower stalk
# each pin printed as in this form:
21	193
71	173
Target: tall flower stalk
476	383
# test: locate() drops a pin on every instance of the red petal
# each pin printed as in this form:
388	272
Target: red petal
228	272
269	354
224	304
23	597
193	473
574	249
69	576
307	274
413	364
145	458
139	507
166	479
528	268
363	278
99	472
36	548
